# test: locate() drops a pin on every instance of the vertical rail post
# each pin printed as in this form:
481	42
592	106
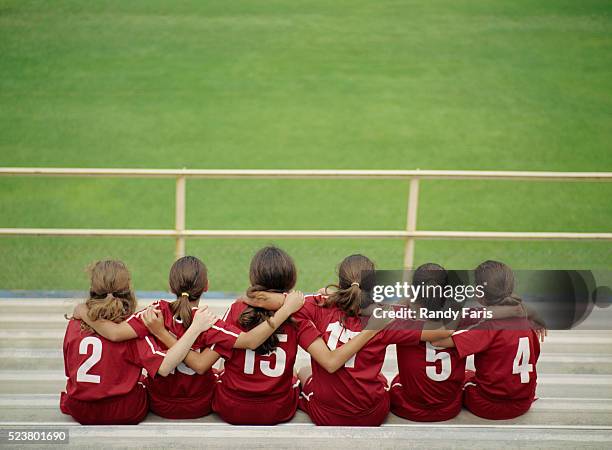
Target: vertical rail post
179	217
411	220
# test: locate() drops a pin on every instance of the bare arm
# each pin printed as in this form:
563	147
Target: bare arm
200	362
116	332
258	335
333	360
435	335
446	343
202	321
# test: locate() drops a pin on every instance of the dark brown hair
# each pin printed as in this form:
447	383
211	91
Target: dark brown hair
188	279
272	270
497	281
431	274
351	295
110	293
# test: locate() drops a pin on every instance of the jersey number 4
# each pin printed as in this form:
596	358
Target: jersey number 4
96	355
521	363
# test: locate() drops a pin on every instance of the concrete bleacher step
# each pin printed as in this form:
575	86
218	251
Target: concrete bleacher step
574	409
22	408
306	436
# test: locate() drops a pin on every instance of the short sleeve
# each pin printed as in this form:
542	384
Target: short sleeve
472	341
307	332
221	337
402	332
148	354
135	321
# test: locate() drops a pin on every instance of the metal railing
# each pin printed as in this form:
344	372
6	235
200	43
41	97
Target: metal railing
410	234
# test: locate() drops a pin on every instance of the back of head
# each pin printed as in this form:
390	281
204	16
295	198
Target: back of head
188	279
497	281
110	294
434	278
271	270
351	295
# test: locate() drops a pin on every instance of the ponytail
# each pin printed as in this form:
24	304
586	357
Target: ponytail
188	279
181	309
351	295
110	295
271	270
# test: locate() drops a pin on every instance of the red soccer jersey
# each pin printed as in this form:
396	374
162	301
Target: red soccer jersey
183	382
432	377
505	356
249	375
358	386
97	368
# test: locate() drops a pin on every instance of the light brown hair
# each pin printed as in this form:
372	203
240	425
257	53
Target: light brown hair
110	294
351	295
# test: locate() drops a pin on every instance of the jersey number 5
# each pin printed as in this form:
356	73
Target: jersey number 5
521	363
445	363
96	354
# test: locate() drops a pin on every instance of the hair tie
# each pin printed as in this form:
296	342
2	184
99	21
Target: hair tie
184	294
354	283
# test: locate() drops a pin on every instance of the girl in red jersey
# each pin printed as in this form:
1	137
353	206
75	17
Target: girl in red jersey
505	352
356	394
259	387
186	394
429	385
103	385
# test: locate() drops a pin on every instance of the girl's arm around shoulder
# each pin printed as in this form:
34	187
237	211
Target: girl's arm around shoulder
331	361
199	362
258	335
115	332
202	321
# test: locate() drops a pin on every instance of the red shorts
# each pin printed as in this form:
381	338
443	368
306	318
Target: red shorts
481	405
322	415
256	410
403	407
177	408
128	409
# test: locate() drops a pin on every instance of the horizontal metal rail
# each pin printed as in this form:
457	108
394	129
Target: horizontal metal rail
410	234
309	173
305	234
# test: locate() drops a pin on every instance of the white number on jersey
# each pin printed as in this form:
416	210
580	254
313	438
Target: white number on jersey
521	363
339	333
445	363
96	354
266	366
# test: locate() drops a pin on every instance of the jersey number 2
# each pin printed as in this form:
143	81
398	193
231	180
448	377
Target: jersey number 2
521	363
96	355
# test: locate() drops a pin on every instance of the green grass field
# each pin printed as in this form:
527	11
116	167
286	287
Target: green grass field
437	84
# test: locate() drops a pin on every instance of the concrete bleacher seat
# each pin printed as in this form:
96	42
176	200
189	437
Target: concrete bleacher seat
574	407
